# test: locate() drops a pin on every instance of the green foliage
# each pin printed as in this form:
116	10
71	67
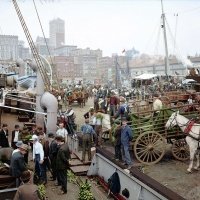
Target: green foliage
42	191
99	116
35	179
84	193
28	137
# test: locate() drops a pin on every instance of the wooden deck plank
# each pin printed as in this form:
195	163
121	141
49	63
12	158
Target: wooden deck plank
76	162
79	156
80	170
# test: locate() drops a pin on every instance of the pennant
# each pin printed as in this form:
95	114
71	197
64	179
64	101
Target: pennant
123	51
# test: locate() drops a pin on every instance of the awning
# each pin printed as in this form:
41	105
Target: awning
186	81
146	76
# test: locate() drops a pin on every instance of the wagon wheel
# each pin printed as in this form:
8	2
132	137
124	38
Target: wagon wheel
149	147
180	150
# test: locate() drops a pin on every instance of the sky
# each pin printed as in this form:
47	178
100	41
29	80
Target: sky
111	25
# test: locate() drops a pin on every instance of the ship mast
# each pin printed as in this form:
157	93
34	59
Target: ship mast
167	67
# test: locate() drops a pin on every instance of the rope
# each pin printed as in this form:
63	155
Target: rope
43	33
152	35
175	30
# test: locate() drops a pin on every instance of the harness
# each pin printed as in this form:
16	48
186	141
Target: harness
188	128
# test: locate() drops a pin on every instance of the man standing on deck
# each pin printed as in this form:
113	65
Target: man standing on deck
123	110
113	104
126	138
4	136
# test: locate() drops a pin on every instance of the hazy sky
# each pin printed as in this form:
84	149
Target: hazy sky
110	25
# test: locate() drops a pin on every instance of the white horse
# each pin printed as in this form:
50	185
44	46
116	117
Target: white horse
192	139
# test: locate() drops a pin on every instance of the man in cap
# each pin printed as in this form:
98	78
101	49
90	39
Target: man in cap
4	136
27	191
62	163
69	116
62	131
88	132
126	138
17	163
104	104
117	141
113	104
38	158
18	145
15	135
123	109
52	155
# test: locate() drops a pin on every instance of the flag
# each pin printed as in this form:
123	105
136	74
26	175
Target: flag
123	51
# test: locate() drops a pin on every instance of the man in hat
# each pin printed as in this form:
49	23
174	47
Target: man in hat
17	163
104	104
52	155
117	141
106	92
123	109
113	104
38	158
88	132
62	163
89	115
28	190
157	105
126	138
15	135
23	136
18	145
4	136
97	121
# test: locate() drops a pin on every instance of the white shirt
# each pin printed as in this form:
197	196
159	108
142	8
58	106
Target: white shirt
190	101
63	132
16	150
157	105
97	121
16	136
38	149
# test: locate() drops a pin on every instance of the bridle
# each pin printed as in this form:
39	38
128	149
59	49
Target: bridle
171	121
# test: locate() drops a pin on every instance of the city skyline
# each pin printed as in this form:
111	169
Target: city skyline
110	25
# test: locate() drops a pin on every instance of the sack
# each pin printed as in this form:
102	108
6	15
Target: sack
114	183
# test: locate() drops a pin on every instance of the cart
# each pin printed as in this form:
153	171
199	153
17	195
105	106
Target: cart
151	136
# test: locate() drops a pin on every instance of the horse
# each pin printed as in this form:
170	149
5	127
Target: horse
193	136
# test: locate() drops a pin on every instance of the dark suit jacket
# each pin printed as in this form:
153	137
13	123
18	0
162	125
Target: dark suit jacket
17	165
63	157
3	139
52	148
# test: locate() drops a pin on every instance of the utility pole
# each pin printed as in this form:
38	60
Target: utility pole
116	73
167	69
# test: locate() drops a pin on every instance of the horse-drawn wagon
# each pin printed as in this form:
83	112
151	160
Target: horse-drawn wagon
151	135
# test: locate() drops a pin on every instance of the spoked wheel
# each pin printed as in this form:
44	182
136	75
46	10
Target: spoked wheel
180	150
149	147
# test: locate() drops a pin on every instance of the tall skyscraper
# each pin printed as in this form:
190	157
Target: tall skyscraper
57	32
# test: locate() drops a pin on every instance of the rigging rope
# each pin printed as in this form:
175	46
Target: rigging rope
175	30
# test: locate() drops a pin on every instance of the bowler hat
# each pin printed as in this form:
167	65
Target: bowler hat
16	126
19	144
124	119
25	176
50	135
5	125
126	193
24	147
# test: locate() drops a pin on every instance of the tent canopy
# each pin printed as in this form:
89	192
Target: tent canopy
187	81
146	76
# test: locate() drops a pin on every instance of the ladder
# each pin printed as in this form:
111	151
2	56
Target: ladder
36	56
